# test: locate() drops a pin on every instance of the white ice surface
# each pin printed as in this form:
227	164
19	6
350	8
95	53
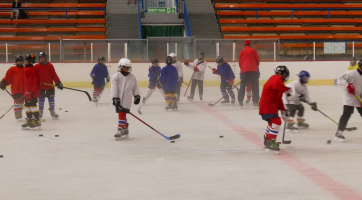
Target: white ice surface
85	162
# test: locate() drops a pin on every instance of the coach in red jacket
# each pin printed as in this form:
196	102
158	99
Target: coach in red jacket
249	62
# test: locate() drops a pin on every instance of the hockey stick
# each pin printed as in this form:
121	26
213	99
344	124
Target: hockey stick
210	104
103	89
347	129
139	109
285	125
89	97
358	98
224	78
189	83
167	138
11	107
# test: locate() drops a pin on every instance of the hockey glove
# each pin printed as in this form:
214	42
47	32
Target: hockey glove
160	85
314	106
285	116
289	97
186	62
301	98
231	81
28	96
93	77
214	71
180	80
117	104
196	69
157	79
137	99
3	85
59	85
351	88
108	79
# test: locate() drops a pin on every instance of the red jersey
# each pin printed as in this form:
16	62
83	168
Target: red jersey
271	97
249	60
15	77
31	81
47	74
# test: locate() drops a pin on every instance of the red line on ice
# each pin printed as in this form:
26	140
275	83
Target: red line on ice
316	176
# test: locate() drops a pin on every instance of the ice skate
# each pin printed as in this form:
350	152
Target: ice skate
53	114
272	147
26	125
144	100
301	124
18	115
169	106
122	133
339	136
232	101
95	99
178	99
174	107
290	127
225	102
41	114
35	125
247	101
255	105
241	104
201	98
190	98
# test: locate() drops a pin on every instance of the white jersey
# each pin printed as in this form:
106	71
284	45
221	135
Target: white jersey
202	67
355	78
178	66
125	88
297	89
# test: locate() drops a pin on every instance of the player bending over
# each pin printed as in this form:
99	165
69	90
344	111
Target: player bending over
154	74
226	86
168	82
98	74
123	88
270	103
199	65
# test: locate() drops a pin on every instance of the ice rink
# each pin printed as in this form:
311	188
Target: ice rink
85	162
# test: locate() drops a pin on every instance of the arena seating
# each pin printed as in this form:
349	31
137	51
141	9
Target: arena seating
75	19
290	19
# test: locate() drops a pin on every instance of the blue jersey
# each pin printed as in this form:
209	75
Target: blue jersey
153	73
169	77
101	72
226	72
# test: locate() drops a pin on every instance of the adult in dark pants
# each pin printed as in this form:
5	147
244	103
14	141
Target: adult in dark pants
249	62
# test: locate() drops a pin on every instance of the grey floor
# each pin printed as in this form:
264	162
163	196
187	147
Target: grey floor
85	162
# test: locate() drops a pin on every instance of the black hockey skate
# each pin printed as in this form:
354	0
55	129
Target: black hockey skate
174	107
35	124
190	98
27	124
53	114
272	147
201	98
122	133
169	106
290	127
339	136
241	104
225	102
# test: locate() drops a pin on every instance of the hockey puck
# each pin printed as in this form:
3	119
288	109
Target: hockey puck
66	111
221	136
172	141
56	135
329	141
1	156
40	135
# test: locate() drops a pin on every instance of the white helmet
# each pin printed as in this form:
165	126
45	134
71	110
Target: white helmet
172	55
124	62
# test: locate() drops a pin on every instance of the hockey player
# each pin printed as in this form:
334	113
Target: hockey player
98	74
47	75
31	93
353	65
180	72
351	82
249	89
15	77
168	82
270	103
226	86
299	93
123	88
199	65
154	73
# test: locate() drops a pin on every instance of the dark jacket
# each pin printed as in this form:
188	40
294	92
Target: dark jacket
18	6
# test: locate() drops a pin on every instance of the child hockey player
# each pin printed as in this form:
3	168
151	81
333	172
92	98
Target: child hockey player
15	77
31	93
180	72
199	65
353	65
299	93
154	74
351	82
98	74
226	86
47	75
270	103
168	82
123	88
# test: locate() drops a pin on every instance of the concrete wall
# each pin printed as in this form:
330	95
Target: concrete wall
322	72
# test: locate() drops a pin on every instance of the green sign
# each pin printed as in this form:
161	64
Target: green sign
161	10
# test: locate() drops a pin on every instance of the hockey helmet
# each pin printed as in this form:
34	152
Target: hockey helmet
360	64
354	60
19	58
304	77
124	62
172	55
283	70
43	54
220	59
202	53
31	58
154	61
100	59
168	60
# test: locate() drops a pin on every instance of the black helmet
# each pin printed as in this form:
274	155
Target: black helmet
19	57
100	58
281	70
353	58
30	58
360	63
168	60
153	61
220	59
43	54
202	53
